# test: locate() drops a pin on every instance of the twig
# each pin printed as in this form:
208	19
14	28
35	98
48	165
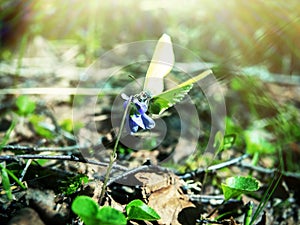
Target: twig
213	168
206	221
60	157
206	198
41	149
25	170
270	172
228	163
216	209
258	168
182	176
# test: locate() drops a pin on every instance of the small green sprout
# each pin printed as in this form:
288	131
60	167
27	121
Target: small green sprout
88	210
223	142
6	182
25	105
25	108
238	185
248	214
91	214
5	174
40	129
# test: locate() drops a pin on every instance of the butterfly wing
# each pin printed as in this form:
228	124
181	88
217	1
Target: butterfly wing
160	103
161	64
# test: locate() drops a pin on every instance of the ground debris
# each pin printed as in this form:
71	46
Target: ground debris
26	216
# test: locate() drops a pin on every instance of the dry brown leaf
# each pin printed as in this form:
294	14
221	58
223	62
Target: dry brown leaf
164	194
168	203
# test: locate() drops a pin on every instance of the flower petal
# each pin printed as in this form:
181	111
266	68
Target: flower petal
142	107
148	121
133	127
137	119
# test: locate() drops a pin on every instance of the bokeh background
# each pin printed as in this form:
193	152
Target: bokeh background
234	32
252	47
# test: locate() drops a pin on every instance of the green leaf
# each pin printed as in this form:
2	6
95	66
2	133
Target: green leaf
235	186
6	182
138	210
229	140
25	105
67	124
167	99
12	175
223	142
219	141
160	103
40	129
110	216
232	128
87	209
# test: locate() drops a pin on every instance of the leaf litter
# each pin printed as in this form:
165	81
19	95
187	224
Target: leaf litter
177	199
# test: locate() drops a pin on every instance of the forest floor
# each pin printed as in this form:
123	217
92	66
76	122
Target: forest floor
61	150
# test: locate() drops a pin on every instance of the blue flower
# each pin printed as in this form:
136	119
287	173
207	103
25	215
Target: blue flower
137	116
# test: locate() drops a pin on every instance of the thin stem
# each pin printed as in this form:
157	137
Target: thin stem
113	155
215	209
266	197
7	134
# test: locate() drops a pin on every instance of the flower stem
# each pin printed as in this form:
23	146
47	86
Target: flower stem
113	155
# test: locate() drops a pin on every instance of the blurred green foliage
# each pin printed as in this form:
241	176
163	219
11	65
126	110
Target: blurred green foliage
228	32
25	105
72	185
231	34
40	128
